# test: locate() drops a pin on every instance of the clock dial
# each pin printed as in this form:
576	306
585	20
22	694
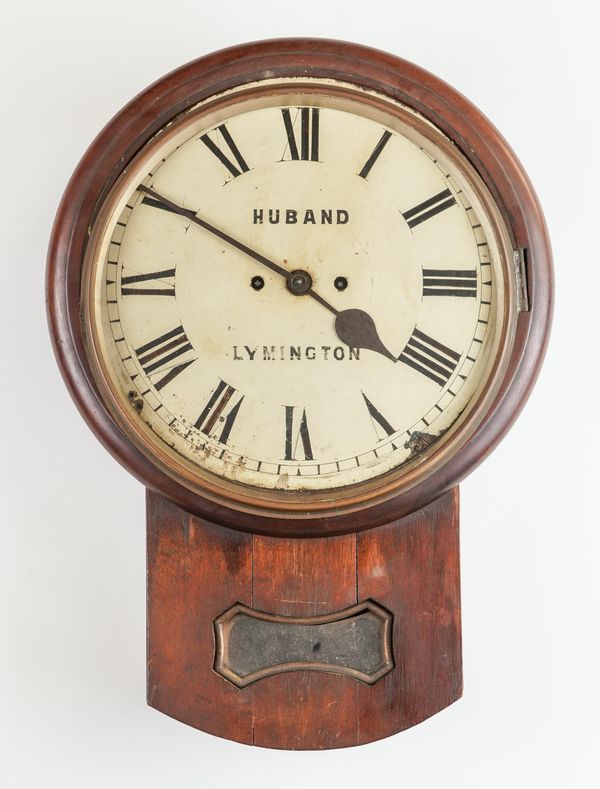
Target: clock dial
297	291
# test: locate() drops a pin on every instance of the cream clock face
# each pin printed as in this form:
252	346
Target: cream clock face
297	291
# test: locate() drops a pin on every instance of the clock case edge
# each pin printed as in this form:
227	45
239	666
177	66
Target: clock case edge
130	129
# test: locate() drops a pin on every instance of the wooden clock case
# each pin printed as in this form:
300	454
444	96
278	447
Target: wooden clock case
399	551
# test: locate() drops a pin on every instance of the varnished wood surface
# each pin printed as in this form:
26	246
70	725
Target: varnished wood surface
197	570
116	145
305	578
412	569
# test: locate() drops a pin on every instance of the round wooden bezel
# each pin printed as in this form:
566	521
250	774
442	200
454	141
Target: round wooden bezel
119	142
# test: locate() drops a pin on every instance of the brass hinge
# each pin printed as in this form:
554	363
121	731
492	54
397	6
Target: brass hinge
519	262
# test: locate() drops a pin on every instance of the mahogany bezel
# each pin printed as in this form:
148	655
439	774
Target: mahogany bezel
371	69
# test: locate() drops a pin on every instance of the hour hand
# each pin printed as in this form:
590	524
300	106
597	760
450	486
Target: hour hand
357	329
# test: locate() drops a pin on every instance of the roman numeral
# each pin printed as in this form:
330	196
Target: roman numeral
309	134
377	417
156	356
164	279
429	357
236	168
218	404
428	208
447	282
375	154
302	434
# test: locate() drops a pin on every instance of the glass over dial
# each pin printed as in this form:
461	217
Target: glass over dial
297	290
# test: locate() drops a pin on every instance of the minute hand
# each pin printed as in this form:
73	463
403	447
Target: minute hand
354	327
191	215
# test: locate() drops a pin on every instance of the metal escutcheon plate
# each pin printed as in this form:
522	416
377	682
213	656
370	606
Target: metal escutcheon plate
355	641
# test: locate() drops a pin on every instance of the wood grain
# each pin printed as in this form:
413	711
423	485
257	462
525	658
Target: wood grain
411	567
305	578
197	570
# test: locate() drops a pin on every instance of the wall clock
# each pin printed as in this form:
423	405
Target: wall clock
299	289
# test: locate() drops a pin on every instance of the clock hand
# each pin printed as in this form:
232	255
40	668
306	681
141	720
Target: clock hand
191	215
299	282
354	327
357	329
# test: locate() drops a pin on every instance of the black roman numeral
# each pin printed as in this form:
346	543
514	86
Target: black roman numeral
148	282
309	134
447	282
429	357
236	168
375	154
378	417
219	403
302	435
428	208
156	356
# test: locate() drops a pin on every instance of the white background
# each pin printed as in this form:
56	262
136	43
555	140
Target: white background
72	574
